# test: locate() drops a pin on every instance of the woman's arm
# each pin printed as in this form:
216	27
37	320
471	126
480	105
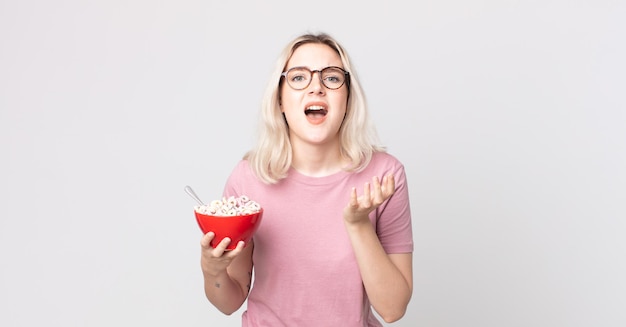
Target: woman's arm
227	274
388	278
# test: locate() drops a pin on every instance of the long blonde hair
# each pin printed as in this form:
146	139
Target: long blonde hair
271	158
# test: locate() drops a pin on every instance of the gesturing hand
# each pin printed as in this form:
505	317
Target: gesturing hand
373	195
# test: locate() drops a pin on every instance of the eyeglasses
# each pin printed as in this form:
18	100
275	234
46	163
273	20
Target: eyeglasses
300	78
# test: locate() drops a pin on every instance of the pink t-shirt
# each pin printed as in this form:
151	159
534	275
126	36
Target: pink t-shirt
305	272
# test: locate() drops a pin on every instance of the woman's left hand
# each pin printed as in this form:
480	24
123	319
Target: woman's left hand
374	194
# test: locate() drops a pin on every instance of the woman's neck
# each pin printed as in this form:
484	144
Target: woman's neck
317	160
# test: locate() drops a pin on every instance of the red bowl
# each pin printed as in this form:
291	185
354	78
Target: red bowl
237	228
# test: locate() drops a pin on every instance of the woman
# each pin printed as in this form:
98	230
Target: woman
335	240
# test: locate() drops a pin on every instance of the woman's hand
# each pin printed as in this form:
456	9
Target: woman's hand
214	261
387	278
227	274
374	194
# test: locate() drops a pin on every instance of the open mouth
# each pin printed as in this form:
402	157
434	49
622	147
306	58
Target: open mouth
315	111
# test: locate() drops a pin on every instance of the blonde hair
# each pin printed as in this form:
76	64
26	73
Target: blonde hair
271	158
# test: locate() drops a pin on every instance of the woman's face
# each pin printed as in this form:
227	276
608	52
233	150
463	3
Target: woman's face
315	113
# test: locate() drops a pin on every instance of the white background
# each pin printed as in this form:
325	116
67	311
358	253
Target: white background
508	115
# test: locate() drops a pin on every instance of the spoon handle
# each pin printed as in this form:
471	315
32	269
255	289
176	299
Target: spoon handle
193	194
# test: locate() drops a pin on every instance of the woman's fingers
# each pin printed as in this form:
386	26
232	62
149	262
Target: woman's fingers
367	200
205	242
389	183
234	252
221	246
220	249
354	202
375	193
378	194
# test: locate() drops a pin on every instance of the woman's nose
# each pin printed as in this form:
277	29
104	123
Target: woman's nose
316	85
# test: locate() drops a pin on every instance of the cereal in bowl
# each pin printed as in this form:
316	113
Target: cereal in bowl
229	206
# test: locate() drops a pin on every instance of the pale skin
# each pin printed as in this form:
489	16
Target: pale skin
387	278
227	274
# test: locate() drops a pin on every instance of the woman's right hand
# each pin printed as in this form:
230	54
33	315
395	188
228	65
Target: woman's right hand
215	260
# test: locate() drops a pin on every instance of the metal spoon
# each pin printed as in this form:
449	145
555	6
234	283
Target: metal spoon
193	194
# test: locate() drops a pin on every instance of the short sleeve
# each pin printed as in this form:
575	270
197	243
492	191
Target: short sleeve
393	223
